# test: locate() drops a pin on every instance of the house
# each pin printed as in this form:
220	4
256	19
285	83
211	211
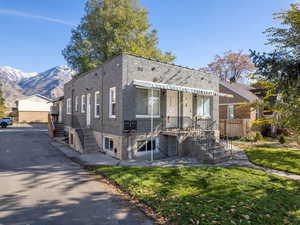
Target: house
236	114
33	108
55	123
136	108
56	109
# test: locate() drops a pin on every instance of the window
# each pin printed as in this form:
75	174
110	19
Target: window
230	112
108	144
83	103
204	106
145	145
144	102
76	103
112	102
69	106
97	104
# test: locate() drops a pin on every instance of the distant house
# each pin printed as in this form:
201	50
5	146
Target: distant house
33	108
236	114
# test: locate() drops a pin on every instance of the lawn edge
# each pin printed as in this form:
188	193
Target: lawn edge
140	204
266	167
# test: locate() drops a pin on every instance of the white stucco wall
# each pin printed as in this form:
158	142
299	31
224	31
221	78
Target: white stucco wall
34	104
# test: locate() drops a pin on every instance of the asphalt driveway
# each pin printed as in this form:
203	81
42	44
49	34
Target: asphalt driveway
39	186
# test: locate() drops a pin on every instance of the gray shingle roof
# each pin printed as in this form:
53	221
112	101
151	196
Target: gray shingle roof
241	89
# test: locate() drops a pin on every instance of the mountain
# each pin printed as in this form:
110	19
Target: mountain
16	83
9	73
49	83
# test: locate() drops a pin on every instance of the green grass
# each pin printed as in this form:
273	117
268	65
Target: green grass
284	159
213	195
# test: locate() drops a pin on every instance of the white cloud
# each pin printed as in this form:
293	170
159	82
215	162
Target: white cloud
24	14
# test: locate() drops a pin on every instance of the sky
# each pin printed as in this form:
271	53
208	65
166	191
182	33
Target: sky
34	32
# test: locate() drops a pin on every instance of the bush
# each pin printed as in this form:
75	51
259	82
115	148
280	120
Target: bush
298	140
281	139
258	137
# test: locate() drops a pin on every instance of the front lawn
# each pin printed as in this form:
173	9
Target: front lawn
284	159
213	195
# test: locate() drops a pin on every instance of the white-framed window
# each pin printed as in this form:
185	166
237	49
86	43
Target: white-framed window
230	112
144	146
76	103
108	144
112	102
83	104
69	106
204	106
145	101
97	104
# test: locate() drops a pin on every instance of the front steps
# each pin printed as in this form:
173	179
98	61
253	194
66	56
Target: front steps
59	130
88	141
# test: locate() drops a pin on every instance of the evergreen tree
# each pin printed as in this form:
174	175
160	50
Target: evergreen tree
287	37
108	28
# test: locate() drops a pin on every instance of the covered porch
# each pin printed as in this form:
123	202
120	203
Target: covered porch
181	120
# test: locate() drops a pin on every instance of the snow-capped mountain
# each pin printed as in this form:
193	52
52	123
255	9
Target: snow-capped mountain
49	83
16	83
14	75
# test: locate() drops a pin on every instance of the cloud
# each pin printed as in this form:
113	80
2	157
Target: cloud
24	14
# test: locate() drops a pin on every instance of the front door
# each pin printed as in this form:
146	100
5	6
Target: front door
187	110
88	110
172	109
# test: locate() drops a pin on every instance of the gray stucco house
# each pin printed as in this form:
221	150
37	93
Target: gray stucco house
133	107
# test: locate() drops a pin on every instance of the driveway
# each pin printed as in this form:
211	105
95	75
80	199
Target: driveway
39	186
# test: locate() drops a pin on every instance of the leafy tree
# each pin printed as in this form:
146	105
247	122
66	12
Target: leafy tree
281	68
108	28
231	66
283	73
2	103
287	37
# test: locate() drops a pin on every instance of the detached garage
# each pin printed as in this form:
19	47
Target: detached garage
33	109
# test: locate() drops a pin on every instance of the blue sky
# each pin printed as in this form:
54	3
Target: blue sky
33	32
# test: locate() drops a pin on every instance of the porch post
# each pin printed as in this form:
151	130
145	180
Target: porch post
151	124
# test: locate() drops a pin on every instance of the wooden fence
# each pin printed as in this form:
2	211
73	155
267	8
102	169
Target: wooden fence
234	127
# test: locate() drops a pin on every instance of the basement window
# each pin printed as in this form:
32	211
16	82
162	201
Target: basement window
145	145
108	144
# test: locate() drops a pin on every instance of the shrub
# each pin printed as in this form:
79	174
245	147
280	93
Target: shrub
258	137
298	139
281	139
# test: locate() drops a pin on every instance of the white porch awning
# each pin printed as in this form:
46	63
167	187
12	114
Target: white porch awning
172	87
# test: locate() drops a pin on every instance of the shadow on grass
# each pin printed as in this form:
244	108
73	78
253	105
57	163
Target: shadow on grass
212	195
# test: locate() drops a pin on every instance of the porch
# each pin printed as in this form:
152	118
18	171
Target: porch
177	121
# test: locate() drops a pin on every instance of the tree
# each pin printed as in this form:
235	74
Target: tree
111	27
283	72
281	68
2	103
231	66
287	37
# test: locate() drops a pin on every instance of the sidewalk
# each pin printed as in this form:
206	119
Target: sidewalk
99	159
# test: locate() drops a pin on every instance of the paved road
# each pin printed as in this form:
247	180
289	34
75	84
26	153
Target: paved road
39	186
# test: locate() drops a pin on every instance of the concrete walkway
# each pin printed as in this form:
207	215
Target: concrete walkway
239	159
